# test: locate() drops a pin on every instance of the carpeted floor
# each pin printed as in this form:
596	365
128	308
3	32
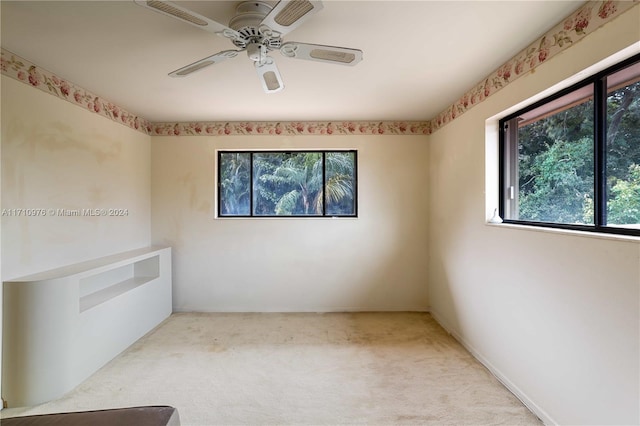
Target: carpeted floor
300	369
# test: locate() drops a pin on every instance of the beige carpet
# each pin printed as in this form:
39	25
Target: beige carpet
300	369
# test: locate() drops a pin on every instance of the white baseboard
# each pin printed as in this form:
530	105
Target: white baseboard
314	310
515	390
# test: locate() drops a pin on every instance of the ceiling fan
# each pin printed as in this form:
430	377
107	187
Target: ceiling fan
257	28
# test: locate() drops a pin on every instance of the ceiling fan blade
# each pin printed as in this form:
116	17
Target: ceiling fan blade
176	11
321	53
269	76
287	15
205	62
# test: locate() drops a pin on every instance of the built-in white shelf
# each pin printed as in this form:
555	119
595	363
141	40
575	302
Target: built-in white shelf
101	287
62	325
108	293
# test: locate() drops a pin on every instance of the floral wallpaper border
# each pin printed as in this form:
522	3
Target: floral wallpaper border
591	16
24	71
290	128
575	27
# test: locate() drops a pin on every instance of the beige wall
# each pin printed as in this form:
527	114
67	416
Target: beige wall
555	315
59	156
373	262
1	292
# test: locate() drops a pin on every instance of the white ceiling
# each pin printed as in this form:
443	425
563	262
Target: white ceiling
419	56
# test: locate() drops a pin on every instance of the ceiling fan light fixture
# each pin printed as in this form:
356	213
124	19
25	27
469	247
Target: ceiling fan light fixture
256	52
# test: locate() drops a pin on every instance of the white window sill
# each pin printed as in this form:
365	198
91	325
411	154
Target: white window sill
598	235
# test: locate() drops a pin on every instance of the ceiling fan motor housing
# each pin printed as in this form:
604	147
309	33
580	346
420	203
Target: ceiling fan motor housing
249	15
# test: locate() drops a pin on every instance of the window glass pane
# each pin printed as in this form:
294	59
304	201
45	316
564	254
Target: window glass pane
623	148
234	170
555	161
340	183
287	184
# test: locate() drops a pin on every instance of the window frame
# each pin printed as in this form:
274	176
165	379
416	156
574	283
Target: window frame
508	157
251	153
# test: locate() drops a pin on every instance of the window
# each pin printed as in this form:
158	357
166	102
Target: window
287	183
573	160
